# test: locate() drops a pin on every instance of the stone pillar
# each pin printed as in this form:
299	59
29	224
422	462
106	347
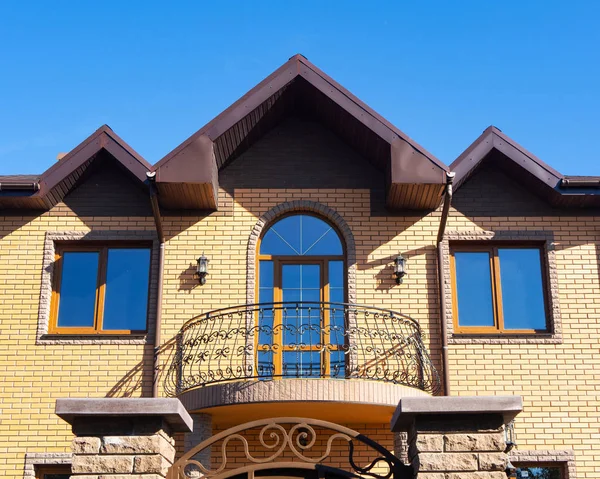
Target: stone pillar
401	446
116	438
202	431
457	437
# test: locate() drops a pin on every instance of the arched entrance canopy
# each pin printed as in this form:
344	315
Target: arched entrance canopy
287	446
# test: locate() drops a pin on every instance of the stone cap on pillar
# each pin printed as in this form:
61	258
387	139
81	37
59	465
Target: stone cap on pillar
169	409
410	408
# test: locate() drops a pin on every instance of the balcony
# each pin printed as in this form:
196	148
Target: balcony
302	340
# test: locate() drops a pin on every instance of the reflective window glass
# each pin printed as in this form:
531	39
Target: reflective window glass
474	289
77	300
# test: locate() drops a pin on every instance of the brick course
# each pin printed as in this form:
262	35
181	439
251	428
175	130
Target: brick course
558	381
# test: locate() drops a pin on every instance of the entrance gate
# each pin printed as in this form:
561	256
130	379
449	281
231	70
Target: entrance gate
289	447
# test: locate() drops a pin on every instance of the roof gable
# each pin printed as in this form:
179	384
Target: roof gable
299	88
56	182
526	168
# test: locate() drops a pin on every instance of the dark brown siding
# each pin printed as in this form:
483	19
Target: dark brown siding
300	154
107	190
490	192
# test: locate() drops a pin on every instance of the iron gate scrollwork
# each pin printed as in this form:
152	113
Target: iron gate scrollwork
287	443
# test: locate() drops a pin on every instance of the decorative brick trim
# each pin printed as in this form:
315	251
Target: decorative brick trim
547	237
565	457
34	459
53	237
202	431
300	206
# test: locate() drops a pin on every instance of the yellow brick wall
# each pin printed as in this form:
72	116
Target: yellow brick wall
558	382
33	376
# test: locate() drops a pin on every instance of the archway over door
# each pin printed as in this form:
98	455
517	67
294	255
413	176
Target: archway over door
289	447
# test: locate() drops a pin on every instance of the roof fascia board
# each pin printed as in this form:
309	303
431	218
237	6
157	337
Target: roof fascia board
408	166
240	108
57	173
358	109
466	163
105	138
231	116
526	160
299	66
130	162
492	138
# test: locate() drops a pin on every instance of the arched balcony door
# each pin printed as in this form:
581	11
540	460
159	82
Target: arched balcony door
301	270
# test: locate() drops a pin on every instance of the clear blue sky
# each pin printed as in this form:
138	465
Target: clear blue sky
441	71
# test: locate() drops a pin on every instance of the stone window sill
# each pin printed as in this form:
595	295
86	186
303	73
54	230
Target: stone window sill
93	339
538	338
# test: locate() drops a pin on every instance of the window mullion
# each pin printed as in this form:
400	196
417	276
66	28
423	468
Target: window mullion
325	336
101	288
497	289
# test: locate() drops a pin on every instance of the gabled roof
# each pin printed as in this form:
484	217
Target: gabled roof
505	153
45	190
188	175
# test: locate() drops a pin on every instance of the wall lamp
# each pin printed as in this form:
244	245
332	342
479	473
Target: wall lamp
399	268
202	269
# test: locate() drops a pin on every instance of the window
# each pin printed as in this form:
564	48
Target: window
498	289
53	472
539	471
302	266
100	289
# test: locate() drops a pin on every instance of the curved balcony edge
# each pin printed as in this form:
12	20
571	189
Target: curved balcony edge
301	340
279	392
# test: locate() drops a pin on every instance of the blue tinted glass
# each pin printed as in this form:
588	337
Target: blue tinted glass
301	235
283	238
265	274
291	295
301	364
126	296
336	274
337	364
291	276
78	289
301	276
273	244
522	288
319	238
265	295
336	295
474	289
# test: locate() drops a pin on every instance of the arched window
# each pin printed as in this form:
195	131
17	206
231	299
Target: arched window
302	278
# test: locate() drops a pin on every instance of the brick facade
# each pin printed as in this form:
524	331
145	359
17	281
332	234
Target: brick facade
557	379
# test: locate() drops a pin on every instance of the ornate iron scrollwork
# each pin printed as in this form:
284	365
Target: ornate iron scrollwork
298	443
328	340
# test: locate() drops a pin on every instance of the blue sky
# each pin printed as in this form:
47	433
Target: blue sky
442	71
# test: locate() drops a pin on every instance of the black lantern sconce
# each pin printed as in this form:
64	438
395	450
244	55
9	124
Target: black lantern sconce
399	268
202	269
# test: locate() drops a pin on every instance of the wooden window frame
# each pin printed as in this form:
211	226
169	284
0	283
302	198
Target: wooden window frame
102	249
278	261
498	327
41	471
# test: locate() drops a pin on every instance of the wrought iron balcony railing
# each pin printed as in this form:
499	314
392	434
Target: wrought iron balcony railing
300	340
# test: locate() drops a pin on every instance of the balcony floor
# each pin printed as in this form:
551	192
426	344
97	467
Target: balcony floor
336	400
